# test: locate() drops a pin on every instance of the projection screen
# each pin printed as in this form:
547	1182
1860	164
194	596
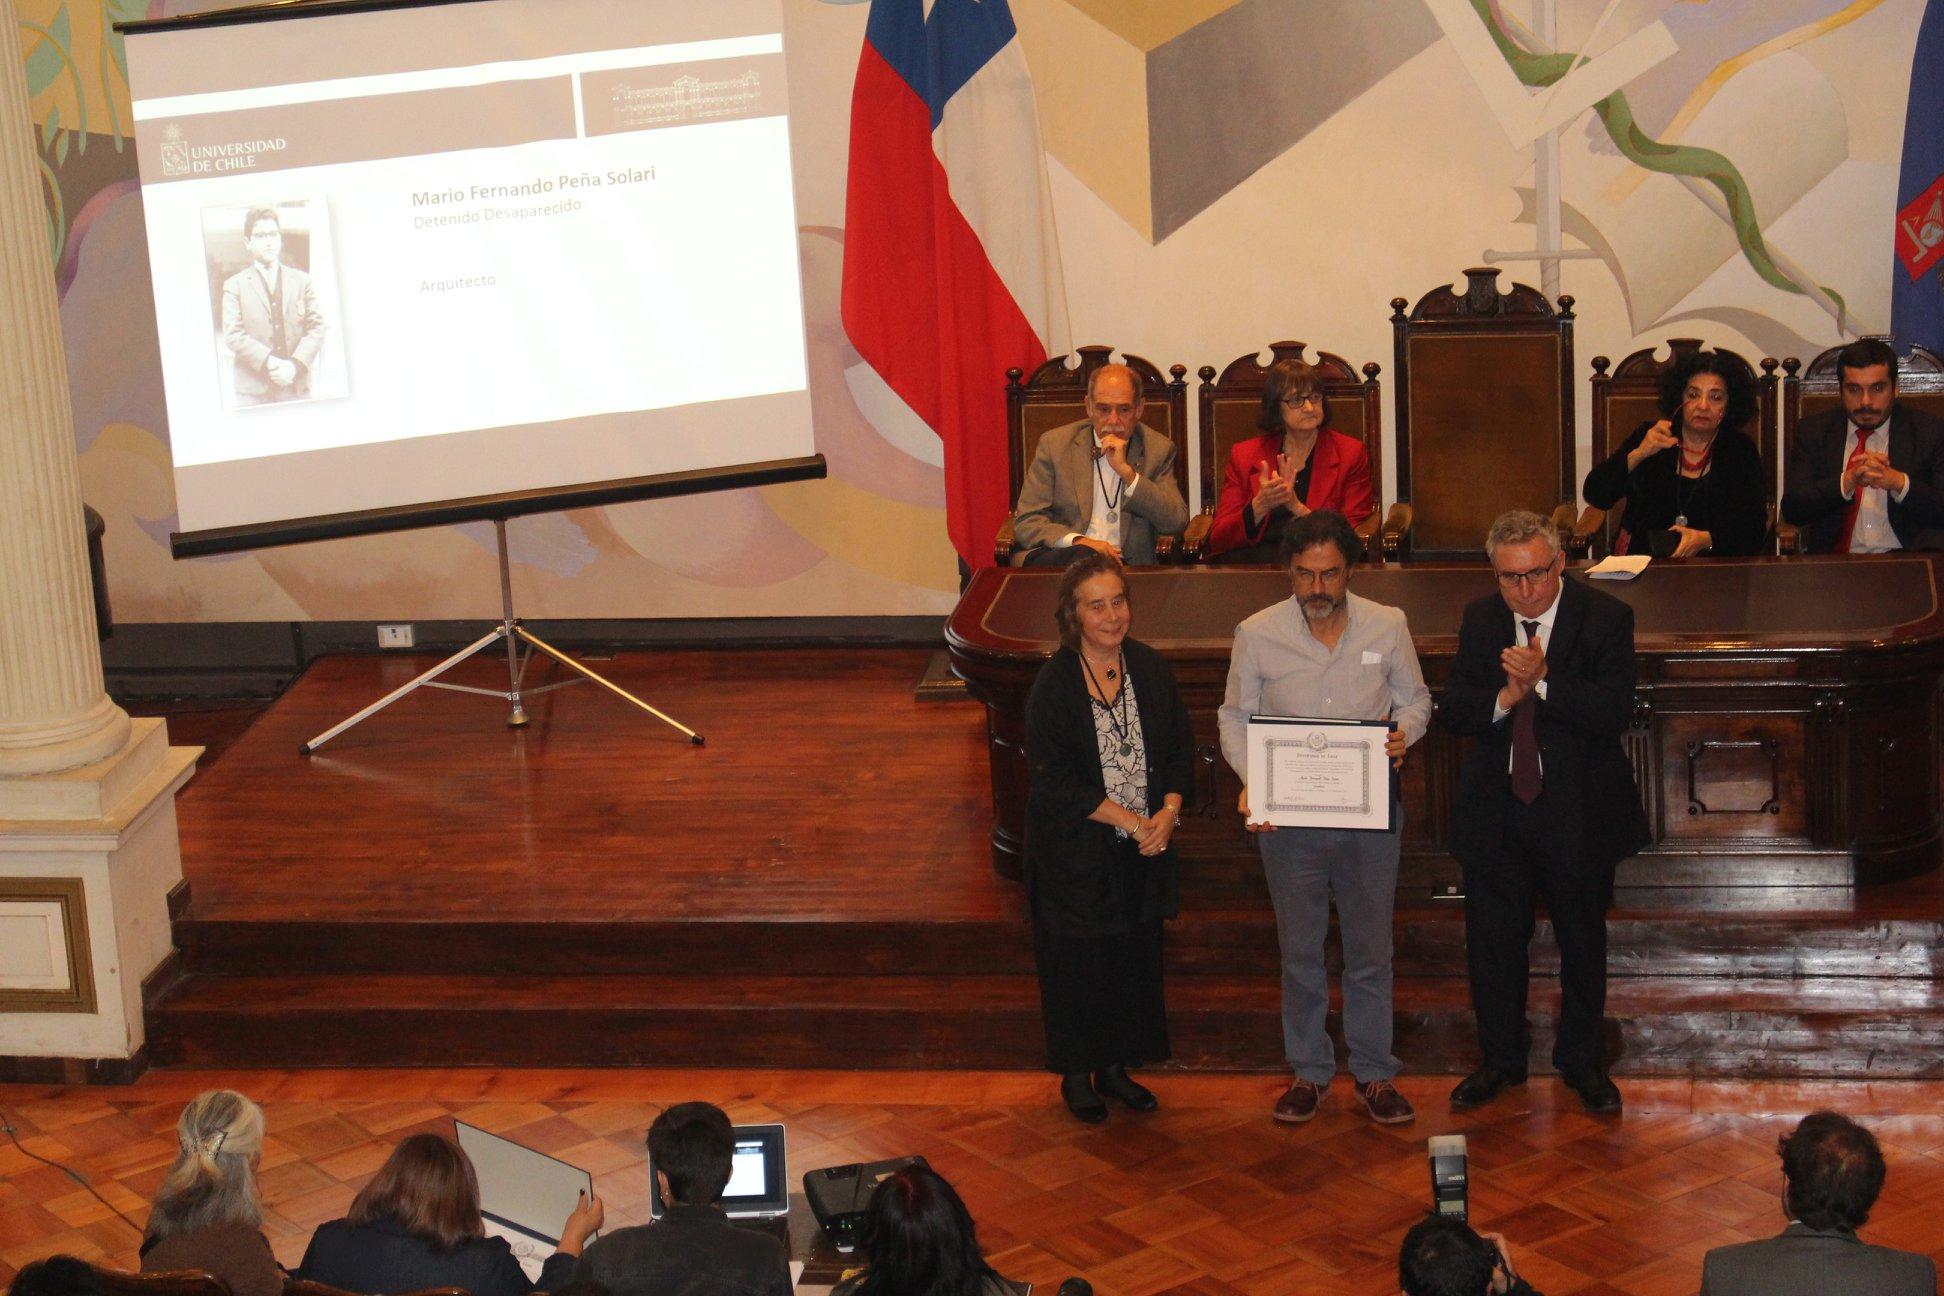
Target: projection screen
448	259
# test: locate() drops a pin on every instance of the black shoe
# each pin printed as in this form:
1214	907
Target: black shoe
1598	1094
1118	1085
1078	1093
1483	1085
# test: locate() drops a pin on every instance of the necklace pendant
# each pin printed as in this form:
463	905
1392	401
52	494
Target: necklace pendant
1113	515
1681	520
1126	748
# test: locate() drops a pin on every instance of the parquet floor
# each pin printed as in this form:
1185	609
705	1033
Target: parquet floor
1207	1196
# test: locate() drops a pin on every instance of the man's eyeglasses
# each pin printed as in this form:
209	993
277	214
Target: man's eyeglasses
1307	398
1536	576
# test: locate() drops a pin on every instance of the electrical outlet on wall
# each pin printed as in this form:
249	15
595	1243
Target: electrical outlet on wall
395	636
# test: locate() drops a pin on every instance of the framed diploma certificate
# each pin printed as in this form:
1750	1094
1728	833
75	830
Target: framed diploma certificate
1306	773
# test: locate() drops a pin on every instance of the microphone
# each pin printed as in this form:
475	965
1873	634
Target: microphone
1448	1181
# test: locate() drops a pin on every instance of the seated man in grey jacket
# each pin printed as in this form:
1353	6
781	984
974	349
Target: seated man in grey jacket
693	1249
1106	482
1832	1171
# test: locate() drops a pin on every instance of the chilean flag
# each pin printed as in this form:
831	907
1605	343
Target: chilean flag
951	264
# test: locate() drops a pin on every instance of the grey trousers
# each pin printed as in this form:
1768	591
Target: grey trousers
1306	870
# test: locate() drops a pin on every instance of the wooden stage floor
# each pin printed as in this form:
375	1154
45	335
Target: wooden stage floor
1206	1197
825	793
814	888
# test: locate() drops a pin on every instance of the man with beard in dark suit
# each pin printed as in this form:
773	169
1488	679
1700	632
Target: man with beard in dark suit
1543	684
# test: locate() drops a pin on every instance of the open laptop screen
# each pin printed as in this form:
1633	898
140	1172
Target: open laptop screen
758	1175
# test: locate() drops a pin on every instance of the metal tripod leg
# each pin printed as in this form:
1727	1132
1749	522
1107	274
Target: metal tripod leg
603	681
487	640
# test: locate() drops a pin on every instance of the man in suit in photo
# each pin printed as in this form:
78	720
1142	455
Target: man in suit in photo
1869	477
1832	1171
1105	482
1543	685
271	322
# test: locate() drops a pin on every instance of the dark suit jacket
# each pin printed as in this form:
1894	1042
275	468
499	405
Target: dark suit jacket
1807	1262
689	1251
382	1259
1339	479
1812	494
1072	869
1056	495
1588	705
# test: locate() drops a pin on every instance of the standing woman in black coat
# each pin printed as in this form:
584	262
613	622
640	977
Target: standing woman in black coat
1111	761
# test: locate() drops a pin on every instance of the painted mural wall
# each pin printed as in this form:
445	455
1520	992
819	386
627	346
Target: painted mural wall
1226	173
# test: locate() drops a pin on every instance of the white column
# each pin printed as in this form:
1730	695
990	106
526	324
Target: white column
53	712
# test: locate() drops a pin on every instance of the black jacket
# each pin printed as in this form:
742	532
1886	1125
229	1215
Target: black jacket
1070	860
1728	503
1588	706
383	1259
1812	492
689	1251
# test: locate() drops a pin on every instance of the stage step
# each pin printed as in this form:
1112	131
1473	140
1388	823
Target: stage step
1643	941
1854	1027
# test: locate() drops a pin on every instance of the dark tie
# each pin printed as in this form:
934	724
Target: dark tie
1525	739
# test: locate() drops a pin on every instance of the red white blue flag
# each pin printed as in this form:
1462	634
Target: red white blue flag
951	263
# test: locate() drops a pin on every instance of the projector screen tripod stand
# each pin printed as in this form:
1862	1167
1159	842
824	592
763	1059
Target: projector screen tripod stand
514	634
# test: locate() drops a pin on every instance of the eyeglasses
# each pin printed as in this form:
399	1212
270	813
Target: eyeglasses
1304	576
1307	398
1537	576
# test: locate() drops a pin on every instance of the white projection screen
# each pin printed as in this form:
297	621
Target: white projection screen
431	262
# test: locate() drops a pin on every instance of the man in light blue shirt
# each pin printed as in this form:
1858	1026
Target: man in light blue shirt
1326	653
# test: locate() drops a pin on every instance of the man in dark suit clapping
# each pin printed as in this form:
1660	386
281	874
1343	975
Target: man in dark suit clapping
1544	685
1869	477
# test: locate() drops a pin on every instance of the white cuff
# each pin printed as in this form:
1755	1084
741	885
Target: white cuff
1540	689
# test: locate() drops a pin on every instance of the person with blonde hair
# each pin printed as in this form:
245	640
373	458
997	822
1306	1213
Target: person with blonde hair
207	1215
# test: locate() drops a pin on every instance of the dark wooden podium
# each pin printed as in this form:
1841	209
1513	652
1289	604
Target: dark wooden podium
1785	734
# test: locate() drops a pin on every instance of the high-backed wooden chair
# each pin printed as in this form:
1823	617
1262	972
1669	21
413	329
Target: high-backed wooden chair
1630	396
1818	386
1484	410
1229	402
1056	394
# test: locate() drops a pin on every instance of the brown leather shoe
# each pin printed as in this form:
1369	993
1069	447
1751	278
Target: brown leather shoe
1385	1105
1298	1102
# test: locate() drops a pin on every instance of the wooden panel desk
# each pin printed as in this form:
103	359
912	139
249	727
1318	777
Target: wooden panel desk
1785	733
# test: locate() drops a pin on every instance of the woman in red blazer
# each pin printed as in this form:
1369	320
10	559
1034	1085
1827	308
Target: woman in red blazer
1298	465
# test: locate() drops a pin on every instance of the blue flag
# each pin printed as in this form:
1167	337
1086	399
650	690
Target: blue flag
1917	305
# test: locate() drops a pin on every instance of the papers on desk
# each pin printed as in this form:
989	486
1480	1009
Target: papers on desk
1619	567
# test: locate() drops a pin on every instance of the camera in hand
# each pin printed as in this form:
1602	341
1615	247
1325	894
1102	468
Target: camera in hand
1449	1188
838	1195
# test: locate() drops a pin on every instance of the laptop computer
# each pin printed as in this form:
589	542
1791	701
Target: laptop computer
758	1192
524	1195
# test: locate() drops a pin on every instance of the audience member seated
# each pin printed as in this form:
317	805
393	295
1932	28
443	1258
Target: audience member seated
1299	464
919	1240
207	1215
1693	480
1869	477
693	1249
56	1276
1441	1256
1106	482
416	1225
1832	1171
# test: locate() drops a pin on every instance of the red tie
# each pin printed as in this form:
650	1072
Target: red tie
1856	500
1525	739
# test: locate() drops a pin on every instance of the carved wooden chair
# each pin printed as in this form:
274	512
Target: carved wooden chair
1229	402
1056	394
1630	396
1818	386
1484	411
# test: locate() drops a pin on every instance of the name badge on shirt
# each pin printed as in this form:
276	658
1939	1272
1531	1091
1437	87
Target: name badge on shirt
1372	659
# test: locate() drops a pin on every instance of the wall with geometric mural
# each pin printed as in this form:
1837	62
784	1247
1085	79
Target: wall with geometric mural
1225	173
